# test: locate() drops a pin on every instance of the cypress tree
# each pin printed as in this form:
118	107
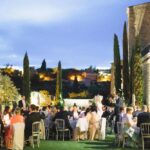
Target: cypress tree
131	75
26	78
137	76
117	64
59	85
43	66
126	82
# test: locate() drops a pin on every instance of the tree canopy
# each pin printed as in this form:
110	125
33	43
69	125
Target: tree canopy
8	92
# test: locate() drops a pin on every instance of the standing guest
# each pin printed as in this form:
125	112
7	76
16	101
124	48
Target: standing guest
2	125
6	120
22	103
110	101
98	101
7	116
93	123
106	113
119	118
117	103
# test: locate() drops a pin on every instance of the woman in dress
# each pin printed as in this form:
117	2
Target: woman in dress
16	118
6	119
94	123
130	128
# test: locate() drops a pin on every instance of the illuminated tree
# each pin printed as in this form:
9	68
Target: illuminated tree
8	92
26	78
46	98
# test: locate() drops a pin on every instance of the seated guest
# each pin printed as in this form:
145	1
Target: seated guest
31	118
61	114
144	116
54	111
128	118
16	118
48	119
137	109
82	113
75	112
130	127
70	112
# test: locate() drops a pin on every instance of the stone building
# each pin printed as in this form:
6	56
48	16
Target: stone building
138	24
146	72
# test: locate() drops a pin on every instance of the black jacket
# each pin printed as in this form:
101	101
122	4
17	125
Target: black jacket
143	118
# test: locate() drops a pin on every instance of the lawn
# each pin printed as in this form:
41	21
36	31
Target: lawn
107	144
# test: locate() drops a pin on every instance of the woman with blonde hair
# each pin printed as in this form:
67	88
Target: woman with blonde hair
94	122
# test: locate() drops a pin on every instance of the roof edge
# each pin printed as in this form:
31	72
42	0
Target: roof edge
139	4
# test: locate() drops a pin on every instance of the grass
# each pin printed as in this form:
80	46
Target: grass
107	144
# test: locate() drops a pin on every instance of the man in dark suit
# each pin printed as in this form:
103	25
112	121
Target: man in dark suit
32	117
22	103
61	114
144	116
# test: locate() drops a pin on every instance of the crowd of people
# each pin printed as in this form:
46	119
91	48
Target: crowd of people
76	118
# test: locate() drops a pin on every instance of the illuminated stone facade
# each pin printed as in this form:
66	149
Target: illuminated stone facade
138	24
146	71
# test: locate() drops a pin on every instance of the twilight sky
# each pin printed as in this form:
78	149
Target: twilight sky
77	32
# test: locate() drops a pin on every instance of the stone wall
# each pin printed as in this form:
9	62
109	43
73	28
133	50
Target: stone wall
146	73
138	24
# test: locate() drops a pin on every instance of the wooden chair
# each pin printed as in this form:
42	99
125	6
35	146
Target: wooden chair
60	128
125	135
35	138
145	132
120	133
